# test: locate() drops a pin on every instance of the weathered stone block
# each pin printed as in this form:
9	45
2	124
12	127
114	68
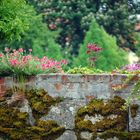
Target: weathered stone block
68	135
64	112
134	122
86	135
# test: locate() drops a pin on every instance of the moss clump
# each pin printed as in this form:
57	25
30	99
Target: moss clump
133	109
40	101
14	124
109	127
120	135
113	108
85	126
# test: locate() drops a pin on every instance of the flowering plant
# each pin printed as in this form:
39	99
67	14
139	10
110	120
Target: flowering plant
92	51
133	71
18	62
129	69
132	67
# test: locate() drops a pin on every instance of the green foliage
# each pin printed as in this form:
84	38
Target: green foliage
117	17
74	18
84	70
53	49
14	19
110	57
41	40
137	43
35	38
30	30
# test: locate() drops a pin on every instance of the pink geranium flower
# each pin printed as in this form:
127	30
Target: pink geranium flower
30	50
18	62
6	49
1	55
20	50
92	52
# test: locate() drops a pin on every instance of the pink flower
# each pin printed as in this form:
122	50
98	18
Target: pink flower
6	49
14	50
13	62
58	20
64	61
58	63
20	50
44	59
93	47
30	50
1	55
93	58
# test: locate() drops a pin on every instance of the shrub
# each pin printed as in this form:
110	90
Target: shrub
110	57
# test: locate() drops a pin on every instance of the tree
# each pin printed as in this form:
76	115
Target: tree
118	19
111	55
24	28
14	19
53	49
74	18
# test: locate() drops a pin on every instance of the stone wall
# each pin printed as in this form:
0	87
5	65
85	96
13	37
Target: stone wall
77	91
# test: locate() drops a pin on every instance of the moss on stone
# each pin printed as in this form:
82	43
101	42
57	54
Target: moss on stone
111	107
120	135
134	108
40	101
91	109
85	126
14	124
107	127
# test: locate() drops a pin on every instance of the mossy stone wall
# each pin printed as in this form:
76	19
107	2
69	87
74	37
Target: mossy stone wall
77	91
